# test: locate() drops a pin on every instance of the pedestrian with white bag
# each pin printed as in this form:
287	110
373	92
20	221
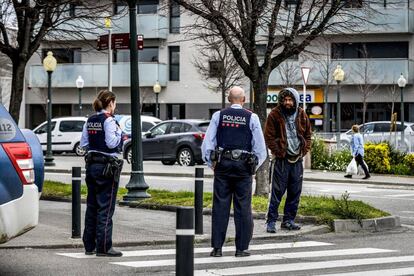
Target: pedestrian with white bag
357	151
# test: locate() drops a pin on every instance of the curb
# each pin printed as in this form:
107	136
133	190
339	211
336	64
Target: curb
377	224
321	229
310	179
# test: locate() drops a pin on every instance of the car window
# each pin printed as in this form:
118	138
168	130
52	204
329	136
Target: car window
43	128
176	128
367	128
160	129
146	126
412	127
203	126
187	127
399	127
71	126
382	127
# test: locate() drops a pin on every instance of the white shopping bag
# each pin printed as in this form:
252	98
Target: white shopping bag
352	168
361	171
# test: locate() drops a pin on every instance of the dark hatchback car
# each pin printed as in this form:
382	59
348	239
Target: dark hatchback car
172	141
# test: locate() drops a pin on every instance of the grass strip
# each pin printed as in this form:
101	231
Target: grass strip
324	208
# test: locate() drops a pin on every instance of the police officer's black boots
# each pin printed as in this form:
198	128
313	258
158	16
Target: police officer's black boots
110	253
216	252
242	253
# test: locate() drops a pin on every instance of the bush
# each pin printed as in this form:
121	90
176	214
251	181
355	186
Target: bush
320	155
400	169
409	162
395	155
339	160
377	158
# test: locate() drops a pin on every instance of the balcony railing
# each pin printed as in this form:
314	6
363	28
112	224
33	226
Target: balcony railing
379	71
95	75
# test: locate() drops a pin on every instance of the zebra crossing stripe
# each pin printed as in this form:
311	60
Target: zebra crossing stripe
263	269
162	252
262	257
382	272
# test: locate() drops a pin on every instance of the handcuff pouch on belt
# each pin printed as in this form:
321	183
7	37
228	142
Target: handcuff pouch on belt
235	155
113	165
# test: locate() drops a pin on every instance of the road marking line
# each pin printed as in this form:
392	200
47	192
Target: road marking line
401	195
302	266
382	272
159	252
262	257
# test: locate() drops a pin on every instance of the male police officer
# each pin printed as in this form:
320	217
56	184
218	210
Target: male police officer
233	147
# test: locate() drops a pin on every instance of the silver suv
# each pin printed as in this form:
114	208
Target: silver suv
380	131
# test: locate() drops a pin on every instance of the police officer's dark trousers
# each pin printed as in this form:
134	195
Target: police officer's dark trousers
101	201
286	177
232	181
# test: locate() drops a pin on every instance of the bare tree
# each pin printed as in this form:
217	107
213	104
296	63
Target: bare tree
216	64
285	27
289	73
146	96
37	20
393	95
366	73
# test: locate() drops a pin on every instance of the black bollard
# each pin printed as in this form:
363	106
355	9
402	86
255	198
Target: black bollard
76	202
198	200
184	243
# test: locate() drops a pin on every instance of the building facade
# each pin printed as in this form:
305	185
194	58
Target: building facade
384	50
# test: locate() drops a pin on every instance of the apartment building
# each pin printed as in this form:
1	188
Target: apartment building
167	57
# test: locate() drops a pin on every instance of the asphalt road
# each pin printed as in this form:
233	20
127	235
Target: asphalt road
389	253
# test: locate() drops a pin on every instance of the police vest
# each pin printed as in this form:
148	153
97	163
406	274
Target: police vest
96	133
233	131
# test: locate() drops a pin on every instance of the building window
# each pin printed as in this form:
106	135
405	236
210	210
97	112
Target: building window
352	4
174	63
174	17
175	111
64	55
143	7
148	54
370	50
290	2
216	68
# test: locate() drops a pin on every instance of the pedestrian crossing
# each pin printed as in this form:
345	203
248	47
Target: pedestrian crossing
301	258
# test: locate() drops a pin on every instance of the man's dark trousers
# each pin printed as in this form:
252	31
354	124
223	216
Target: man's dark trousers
286	177
232	181
101	201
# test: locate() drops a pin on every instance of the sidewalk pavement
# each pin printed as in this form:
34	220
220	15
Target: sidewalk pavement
132	227
64	165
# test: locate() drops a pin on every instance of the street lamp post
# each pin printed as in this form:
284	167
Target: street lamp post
401	83
136	186
157	89
49	64
338	75
305	75
79	84
108	26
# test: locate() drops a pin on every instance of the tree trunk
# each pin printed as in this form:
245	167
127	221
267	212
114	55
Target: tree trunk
259	107
364	110
223	98
17	88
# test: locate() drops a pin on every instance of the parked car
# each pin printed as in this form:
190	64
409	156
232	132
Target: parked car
380	131
147	122
172	141
21	181
66	134
67	131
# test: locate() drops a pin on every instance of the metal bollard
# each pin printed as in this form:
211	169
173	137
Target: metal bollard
76	202
184	243
198	200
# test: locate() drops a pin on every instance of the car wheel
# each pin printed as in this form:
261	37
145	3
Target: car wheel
185	157
129	155
79	151
168	162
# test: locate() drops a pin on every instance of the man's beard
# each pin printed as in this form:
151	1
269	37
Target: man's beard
288	110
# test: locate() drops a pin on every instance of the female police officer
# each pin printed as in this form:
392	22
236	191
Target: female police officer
102	138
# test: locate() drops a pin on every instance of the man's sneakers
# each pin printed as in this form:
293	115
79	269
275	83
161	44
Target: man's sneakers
290	225
271	227
216	252
110	253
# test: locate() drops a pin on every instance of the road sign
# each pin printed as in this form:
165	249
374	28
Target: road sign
119	41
